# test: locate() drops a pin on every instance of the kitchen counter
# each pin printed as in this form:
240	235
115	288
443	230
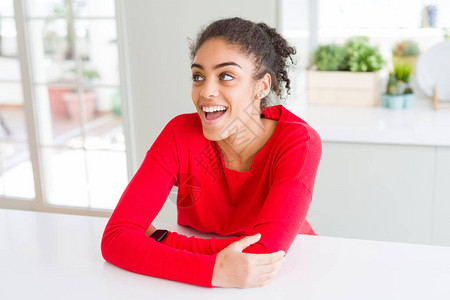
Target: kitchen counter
55	256
418	126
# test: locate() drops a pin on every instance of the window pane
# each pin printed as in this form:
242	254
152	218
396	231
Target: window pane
16	173
12	120
6	8
8	44
97	47
97	8
65	177
383	14
46	8
57	113
52	52
295	15
107	130
9	69
107	172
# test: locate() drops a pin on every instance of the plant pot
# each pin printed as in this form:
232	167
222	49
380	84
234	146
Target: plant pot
384	100
395	102
343	88
57	105
408	100
73	107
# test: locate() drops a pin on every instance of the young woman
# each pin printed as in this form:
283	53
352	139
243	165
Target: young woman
242	168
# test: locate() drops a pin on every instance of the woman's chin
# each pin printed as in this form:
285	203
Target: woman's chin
209	136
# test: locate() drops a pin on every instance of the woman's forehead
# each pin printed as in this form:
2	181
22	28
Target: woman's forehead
217	51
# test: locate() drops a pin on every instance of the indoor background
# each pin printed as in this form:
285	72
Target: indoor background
87	86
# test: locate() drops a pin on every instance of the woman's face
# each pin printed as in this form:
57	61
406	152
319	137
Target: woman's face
223	77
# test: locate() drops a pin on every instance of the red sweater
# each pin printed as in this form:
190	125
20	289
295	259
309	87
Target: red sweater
272	198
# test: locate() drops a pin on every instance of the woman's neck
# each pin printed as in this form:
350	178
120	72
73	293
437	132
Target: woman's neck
239	149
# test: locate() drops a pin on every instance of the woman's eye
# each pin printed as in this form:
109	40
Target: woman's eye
225	77
196	77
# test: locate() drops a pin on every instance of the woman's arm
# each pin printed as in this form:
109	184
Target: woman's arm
125	243
193	244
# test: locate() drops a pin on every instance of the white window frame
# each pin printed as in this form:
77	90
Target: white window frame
24	55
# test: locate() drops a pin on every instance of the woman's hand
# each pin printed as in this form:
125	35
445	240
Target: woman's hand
245	270
150	230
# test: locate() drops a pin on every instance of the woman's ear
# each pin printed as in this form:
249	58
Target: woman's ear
264	85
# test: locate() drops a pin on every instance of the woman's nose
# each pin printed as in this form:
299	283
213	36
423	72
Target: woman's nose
209	89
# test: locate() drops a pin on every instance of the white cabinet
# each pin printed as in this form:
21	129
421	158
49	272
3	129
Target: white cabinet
441	216
383	192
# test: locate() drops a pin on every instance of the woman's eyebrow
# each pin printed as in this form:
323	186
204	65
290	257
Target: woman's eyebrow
230	63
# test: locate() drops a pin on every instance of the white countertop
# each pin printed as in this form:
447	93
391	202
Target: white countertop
54	256
420	125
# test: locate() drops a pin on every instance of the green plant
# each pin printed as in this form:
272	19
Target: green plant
357	55
87	73
403	70
406	48
329	57
398	82
446	33
408	90
393	88
361	56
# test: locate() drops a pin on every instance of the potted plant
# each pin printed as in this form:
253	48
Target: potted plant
406	51
446	33
88	96
399	93
346	74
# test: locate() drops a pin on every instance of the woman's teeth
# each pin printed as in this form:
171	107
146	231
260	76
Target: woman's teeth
214	108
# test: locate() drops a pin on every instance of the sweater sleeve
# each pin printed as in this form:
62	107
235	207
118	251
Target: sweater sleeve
124	242
290	195
198	245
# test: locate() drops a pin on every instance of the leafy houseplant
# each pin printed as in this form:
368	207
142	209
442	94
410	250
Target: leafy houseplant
406	51
356	55
329	57
406	48
361	56
345	74
398	93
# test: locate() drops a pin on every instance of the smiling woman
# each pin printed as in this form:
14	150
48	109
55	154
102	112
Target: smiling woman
242	168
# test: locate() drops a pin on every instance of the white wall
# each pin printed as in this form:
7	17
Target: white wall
158	33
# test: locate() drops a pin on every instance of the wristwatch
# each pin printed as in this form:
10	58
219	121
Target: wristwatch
159	234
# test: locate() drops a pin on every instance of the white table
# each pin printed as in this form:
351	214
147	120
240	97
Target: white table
54	256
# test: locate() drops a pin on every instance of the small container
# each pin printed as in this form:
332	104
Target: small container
384	100
408	100
395	102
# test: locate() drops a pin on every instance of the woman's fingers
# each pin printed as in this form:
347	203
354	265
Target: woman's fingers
150	230
246	241
272	268
265	258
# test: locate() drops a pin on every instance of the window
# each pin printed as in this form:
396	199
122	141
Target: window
72	79
16	175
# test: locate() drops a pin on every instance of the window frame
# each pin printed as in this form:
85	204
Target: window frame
28	87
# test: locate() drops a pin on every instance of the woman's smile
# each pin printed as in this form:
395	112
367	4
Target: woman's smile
213	115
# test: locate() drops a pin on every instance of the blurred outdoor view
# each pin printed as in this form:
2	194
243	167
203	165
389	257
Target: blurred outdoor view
72	53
